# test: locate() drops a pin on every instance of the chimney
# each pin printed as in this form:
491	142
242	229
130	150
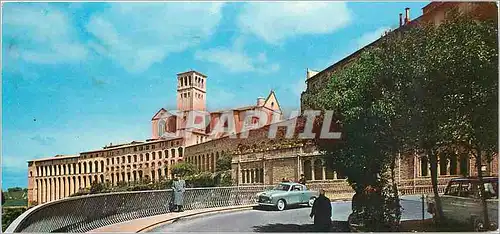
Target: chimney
400	19
260	101
407	16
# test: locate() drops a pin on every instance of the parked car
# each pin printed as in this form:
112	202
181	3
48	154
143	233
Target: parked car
462	204
286	194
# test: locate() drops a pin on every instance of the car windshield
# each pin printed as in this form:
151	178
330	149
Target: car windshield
282	187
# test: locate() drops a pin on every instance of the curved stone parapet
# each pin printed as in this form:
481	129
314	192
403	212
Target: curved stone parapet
85	213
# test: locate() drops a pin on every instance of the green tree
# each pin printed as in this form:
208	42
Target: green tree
184	169
470	67
223	163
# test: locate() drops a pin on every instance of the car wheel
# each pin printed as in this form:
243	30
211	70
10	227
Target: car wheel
477	225
281	205
311	201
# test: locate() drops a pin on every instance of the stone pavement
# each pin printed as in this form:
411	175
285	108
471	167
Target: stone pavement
147	223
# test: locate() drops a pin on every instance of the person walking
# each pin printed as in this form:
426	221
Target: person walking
302	179
322	213
178	187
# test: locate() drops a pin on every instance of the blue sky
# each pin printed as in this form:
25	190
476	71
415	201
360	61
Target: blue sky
77	76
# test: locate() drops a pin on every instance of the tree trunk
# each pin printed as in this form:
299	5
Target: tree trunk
433	161
481	190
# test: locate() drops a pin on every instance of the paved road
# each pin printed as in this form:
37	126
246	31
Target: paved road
291	220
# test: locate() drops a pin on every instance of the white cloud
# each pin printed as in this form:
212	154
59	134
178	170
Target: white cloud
40	34
276	21
370	37
139	35
234	60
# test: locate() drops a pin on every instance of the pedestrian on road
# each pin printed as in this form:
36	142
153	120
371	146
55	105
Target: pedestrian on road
178	186
322	213
302	179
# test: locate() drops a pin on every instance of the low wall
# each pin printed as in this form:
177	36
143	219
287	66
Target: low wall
85	213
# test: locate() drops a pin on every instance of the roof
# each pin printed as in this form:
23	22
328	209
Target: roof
55	157
192	71
133	143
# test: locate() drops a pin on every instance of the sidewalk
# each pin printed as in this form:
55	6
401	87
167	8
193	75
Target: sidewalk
147	223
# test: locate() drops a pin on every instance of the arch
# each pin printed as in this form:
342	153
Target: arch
318	169
102	166
60	188
141	157
74	185
135	157
424	166
453	163
147	156
101	177
159	155
464	164
112	179
181	151
123	159
153	155
90	167
443	164
172	153
243	176
96	166
307	169
166	153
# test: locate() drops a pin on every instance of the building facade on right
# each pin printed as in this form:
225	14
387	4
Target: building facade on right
417	166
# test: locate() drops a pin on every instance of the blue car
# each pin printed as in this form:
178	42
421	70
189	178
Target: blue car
286	194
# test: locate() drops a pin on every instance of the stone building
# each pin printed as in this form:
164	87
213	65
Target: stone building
60	176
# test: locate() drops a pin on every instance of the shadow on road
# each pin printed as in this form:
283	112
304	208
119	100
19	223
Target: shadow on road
270	208
337	226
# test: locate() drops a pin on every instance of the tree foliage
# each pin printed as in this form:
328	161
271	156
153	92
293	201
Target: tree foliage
425	89
184	169
223	163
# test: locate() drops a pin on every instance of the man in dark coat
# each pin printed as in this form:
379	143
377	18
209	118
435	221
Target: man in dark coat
322	213
178	187
302	179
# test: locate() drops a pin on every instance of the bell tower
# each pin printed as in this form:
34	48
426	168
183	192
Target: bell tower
191	91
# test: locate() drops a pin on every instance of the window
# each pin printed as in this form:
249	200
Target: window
469	189
491	189
297	188
147	147
272	104
453	188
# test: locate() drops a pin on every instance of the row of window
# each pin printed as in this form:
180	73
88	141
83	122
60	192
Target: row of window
188	95
453	165
187	81
130	149
67	169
